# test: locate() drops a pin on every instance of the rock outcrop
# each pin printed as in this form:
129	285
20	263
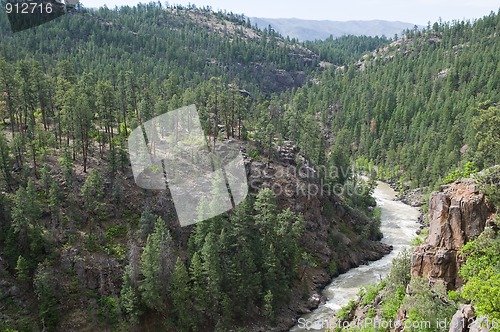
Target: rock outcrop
481	324
465	320
462	318
93	271
457	214
413	197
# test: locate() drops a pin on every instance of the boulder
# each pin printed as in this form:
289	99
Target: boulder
314	301
461	319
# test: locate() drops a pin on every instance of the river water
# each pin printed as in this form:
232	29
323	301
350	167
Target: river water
398	224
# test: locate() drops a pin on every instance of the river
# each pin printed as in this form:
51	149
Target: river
398	224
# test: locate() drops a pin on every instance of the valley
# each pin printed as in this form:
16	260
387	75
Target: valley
399	226
317	127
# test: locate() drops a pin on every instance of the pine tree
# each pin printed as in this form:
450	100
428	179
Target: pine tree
265	205
151	286
269	306
55	200
5	161
339	168
7	85
181	296
44	290
22	269
67	167
26	211
487	125
156	267
240	249
212	271
199	286
92	193
106	105
129	299
117	194
45	179
146	223
83	125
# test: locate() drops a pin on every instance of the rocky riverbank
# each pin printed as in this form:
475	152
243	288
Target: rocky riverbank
415	197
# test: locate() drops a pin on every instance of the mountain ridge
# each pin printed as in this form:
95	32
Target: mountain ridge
304	30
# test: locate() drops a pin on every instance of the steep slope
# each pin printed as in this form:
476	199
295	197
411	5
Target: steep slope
87	259
424	106
85	249
417	108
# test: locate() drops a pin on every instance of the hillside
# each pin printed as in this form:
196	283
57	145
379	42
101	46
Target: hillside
185	44
419	108
85	249
310	30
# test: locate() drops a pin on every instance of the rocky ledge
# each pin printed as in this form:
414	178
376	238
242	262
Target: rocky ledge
458	213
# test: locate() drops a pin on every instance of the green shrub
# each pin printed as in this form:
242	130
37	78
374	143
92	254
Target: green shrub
428	304
328	210
481	273
333	268
344	229
464	173
371	313
416	241
345	313
117	250
392	303
488	181
400	274
455	296
371	293
108	309
116	231
335	240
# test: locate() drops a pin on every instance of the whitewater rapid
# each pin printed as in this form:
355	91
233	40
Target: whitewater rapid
399	222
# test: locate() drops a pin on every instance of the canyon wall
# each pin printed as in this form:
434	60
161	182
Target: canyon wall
458	213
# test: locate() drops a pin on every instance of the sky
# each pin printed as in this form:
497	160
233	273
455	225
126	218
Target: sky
412	11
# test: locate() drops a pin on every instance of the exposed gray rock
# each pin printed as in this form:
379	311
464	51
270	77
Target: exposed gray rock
412	197
480	325
461	319
314	300
13	291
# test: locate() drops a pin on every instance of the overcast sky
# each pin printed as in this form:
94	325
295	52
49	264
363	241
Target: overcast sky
413	11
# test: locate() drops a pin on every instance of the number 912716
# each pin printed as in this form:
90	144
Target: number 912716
15	7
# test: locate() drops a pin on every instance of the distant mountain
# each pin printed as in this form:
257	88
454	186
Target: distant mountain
311	29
